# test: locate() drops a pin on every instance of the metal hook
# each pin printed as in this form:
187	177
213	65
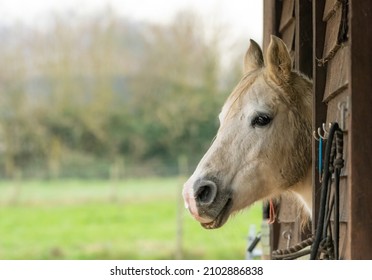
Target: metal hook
287	235
326	132
315	137
324	137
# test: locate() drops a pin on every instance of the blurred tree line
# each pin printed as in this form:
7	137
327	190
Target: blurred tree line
84	97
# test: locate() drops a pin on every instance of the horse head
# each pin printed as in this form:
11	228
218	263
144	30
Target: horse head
263	145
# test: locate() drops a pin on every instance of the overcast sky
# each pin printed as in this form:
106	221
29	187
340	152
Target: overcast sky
242	17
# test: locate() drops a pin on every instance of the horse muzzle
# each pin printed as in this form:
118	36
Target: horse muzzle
206	202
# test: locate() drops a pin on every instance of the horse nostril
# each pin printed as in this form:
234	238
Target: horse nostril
205	192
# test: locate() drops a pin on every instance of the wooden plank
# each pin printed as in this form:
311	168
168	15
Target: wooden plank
360	225
330	8
333	26
343	243
304	37
287	14
288	34
344	201
271	20
319	108
337	73
289	213
289	219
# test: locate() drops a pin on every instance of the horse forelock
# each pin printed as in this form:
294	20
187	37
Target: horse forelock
234	101
294	93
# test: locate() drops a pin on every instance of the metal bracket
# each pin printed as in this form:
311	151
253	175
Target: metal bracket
343	107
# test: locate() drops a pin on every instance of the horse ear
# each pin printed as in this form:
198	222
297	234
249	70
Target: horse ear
253	59
279	63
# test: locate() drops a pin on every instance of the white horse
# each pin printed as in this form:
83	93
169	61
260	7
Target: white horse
263	145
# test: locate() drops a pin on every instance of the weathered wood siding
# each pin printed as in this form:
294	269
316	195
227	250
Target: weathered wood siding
330	41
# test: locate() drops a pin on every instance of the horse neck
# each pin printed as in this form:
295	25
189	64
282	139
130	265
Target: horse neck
304	192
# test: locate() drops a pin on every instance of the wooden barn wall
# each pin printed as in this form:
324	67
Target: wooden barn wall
330	43
342	69
360	147
289	20
332	60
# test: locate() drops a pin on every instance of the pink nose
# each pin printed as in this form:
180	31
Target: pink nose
191	201
188	197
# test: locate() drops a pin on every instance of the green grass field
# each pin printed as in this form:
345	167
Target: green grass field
131	219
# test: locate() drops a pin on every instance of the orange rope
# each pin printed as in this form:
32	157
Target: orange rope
272	213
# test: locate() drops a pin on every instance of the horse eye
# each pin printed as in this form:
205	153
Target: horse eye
261	120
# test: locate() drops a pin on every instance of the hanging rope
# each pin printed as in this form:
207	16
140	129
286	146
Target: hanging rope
324	245
294	252
326	236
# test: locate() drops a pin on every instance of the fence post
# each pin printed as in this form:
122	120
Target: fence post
182	173
116	173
